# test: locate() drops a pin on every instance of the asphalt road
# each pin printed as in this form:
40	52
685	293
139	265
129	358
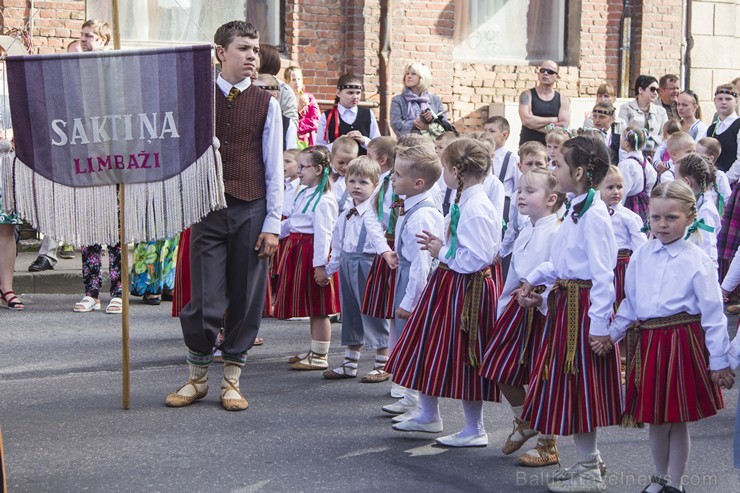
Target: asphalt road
65	431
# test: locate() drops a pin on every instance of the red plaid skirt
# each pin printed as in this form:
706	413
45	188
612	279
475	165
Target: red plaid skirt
181	291
298	295
380	290
623	260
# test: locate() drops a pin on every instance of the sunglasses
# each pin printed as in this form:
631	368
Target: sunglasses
653	89
548	71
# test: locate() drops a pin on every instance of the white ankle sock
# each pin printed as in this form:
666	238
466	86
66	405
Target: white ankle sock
473	419
320	348
349	365
196	373
517	411
232	373
380	361
429	408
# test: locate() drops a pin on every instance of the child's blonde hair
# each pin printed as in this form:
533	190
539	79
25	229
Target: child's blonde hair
680	191
636	137
614	170
346	144
556	136
712	145
678	141
532	148
384	146
364	167
698	168
547	180
319	157
292	152
413	140
423	163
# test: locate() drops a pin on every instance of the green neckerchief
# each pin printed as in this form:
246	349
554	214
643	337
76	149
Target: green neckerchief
381	196
586	206
317	193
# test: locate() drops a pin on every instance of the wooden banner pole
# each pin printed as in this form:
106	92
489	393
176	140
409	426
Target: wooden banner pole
125	355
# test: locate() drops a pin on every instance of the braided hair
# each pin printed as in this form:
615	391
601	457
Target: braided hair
699	169
590	153
635	137
318	157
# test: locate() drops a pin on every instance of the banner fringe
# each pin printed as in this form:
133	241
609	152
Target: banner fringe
88	215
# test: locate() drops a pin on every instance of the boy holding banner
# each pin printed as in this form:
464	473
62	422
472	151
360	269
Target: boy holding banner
230	248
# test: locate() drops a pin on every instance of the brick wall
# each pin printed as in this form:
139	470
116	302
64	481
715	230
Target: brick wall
54	25
657	34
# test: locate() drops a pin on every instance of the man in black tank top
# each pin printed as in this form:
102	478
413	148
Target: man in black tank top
543	105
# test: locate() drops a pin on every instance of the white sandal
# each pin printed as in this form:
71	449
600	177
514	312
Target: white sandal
86	304
115	307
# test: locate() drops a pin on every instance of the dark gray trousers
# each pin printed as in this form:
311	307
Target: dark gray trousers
228	280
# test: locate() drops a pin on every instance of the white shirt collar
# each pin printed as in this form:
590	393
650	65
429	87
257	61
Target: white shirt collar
226	86
673	249
550	218
469	192
409	202
363	206
343	110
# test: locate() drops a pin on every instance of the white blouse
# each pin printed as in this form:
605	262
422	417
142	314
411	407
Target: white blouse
664	280
634	180
585	250
705	240
627	227
531	249
319	223
291	187
478	233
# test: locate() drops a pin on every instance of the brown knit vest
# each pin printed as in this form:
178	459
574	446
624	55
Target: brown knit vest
239	127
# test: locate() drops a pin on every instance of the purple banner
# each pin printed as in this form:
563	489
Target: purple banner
91	119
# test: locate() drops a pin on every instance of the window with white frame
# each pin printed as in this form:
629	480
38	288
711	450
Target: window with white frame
510	31
167	22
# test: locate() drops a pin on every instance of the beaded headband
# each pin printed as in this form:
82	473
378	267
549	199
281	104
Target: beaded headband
726	91
603	112
270	88
351	85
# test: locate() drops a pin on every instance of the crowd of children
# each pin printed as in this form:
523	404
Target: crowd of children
474	272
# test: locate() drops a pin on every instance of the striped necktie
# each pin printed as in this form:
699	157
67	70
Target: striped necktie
233	94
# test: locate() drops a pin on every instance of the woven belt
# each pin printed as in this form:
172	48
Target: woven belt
624	253
390	238
529	322
572	286
471	309
633	334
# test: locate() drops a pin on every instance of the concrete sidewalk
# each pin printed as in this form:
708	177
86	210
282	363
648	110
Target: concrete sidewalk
65	278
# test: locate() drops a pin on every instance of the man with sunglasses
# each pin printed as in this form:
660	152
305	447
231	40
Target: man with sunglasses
542	105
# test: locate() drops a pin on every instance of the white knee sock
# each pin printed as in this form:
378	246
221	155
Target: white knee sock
320	348
196	373
232	372
473	419
678	455
429	408
586	446
659	445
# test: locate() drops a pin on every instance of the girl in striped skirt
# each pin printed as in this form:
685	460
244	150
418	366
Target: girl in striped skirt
520	327
572	390
639	175
308	231
441	346
627	226
730	283
676	335
377	300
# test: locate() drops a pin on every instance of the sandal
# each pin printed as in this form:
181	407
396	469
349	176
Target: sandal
258	341
343	371
521	428
12	301
376	375
115	307
87	304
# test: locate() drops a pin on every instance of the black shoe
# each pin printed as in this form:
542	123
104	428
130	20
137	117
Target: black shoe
151	299
41	263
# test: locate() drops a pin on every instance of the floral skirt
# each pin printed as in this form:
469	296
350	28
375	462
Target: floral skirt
154	267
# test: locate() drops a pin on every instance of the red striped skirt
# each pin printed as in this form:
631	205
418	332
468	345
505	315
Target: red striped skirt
497	273
514	346
673	384
433	353
298	295
623	260
181	291
564	403
380	290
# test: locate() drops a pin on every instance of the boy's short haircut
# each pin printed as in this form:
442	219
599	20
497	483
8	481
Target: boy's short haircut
712	145
347	145
384	146
292	152
532	148
364	167
557	135
607	89
679	140
423	163
99	27
234	29
413	140
501	123
445	136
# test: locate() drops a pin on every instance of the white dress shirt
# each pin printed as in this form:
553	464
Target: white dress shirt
339	187
387	198
346	235
733	174
511	178
291	136
272	155
531	249
731	281
704	239
349	115
496	195
627	227
291	187
634	179
663	280
585	250
516	222
319	223
723	185
478	232
423	219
